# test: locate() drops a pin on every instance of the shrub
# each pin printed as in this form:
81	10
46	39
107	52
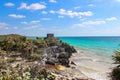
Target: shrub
116	58
11	59
34	56
115	75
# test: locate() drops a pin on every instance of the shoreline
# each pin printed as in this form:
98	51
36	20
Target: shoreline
89	64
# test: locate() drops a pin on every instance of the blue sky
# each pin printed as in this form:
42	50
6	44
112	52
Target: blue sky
61	17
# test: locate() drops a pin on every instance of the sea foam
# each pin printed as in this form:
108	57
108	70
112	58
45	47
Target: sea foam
93	65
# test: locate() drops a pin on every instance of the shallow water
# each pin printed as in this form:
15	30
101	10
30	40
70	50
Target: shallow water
94	56
99	45
92	65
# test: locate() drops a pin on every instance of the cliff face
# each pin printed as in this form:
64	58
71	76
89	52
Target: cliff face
58	52
49	50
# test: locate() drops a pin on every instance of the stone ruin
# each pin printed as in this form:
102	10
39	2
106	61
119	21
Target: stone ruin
50	35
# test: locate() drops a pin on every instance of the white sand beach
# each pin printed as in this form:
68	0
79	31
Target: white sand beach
92	65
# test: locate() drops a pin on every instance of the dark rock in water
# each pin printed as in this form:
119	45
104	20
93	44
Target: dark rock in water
73	63
64	62
64	59
68	48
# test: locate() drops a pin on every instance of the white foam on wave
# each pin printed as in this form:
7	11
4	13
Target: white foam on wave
93	65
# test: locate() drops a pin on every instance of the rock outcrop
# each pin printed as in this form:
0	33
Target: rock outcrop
49	50
58	52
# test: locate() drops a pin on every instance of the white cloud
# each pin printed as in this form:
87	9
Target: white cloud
35	24
7	26
52	1
118	0
91	5
89	23
35	21
16	16
33	6
111	19
3	25
72	14
94	22
9	4
60	16
52	11
15	27
32	27
31	22
46	19
24	22
44	12
77	7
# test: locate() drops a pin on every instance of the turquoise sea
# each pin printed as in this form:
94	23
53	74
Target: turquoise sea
94	54
99	45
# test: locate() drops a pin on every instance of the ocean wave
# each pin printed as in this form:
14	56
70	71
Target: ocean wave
93	65
94	60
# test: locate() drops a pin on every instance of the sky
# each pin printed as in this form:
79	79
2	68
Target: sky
61	17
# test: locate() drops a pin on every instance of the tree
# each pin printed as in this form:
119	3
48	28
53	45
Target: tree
115	75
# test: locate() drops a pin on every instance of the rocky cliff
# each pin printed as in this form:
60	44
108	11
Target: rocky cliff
50	49
22	56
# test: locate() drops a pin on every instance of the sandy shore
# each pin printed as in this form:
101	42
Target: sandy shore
71	73
91	65
74	72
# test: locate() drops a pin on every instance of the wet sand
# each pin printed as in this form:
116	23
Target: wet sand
93	65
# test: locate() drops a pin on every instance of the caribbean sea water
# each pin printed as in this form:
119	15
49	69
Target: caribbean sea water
94	54
100	45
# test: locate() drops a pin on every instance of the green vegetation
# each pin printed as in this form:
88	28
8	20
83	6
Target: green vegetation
15	47
21	44
51	41
115	75
11	59
117	58
34	56
22	58
29	73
